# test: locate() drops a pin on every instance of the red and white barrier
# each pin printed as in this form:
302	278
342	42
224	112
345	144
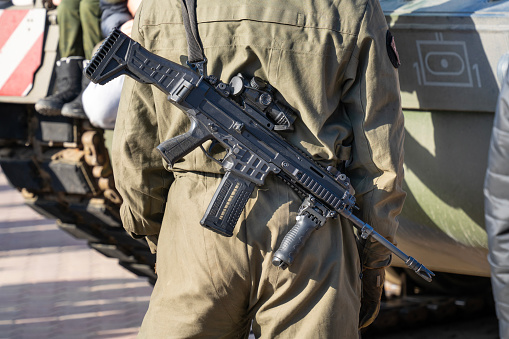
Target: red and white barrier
21	41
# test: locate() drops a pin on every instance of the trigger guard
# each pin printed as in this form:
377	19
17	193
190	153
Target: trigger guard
212	145
208	155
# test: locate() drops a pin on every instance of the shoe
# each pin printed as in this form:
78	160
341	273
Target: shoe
69	73
74	109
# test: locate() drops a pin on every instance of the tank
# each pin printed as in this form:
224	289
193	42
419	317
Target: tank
450	53
60	165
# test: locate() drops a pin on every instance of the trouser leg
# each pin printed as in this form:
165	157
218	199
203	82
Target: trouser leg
213	286
69	23
90	16
189	300
113	16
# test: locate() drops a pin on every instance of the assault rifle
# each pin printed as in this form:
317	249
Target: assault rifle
242	116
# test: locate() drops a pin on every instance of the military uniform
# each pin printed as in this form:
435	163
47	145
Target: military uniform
330	63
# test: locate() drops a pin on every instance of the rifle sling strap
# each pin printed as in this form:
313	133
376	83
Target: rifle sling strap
194	45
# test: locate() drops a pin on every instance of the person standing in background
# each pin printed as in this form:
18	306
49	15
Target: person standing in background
496	205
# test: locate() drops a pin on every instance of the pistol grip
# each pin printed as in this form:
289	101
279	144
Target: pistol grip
227	204
175	148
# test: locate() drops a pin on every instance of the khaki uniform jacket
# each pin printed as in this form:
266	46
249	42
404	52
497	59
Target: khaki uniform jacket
329	62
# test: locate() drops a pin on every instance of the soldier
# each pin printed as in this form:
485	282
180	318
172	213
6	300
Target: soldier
496	203
335	64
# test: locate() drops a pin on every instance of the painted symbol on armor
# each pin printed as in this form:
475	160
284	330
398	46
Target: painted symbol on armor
445	63
391	49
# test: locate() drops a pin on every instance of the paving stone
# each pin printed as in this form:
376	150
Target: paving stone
54	286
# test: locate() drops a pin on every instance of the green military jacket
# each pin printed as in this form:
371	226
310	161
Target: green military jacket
328	60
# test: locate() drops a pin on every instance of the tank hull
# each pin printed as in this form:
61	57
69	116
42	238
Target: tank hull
60	165
450	53
442	222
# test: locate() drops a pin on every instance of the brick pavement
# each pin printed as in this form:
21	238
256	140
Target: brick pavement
54	286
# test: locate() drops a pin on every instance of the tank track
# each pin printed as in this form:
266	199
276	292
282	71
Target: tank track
415	304
404	314
62	168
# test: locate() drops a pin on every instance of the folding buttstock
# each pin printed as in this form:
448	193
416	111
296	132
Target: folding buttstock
110	60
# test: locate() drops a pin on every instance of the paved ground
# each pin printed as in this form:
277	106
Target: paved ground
54	286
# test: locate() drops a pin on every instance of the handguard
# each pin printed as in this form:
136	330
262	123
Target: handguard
242	117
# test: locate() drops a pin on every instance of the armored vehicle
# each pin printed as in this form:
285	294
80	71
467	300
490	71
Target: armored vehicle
60	165
450	51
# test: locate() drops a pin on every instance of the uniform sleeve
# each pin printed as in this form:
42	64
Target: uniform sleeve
140	177
372	102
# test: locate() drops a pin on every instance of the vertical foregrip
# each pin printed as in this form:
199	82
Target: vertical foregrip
294	241
227	204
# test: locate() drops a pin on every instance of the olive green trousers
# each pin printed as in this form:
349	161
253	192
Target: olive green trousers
212	286
80	27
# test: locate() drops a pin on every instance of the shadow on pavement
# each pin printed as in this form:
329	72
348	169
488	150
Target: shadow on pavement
103	308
